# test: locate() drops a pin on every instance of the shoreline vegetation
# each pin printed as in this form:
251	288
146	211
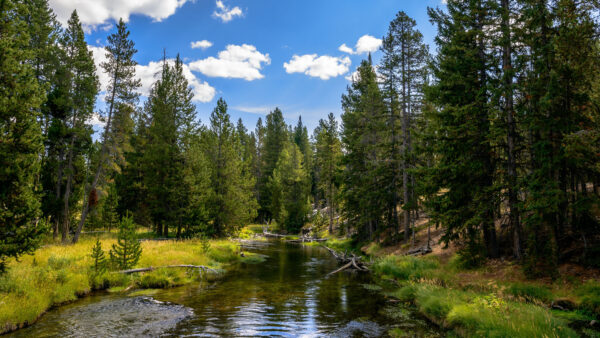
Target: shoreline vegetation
58	274
494	300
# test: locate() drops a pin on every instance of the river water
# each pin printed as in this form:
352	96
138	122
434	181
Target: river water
290	295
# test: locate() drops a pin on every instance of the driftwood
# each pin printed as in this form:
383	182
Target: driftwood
269	234
349	261
199	267
156	239
306	239
419	251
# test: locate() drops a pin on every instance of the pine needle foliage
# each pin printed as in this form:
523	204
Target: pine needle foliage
127	251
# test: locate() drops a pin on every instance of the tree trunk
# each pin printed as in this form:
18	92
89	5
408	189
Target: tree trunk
514	220
101	159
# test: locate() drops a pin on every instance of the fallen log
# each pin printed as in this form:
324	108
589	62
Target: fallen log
269	234
151	268
349	261
419	251
341	269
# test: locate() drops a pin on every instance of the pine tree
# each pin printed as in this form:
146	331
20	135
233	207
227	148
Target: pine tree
82	89
97	255
290	189
362	132
121	96
163	160
404	64
275	137
465	168
327	160
232	203
127	251
20	136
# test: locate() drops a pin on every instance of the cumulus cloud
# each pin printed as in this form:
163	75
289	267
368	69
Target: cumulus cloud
345	49
96	120
365	44
225	13
203	92
239	62
323	67
203	44
93	13
148	74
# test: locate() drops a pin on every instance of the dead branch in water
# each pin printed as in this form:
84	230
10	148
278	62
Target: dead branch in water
349	261
200	267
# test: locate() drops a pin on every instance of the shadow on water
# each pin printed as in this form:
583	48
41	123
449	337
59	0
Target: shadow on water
290	294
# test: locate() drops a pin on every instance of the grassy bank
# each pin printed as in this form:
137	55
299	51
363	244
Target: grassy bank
471	304
57	274
495	300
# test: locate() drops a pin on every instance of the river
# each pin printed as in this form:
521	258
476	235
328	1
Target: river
290	294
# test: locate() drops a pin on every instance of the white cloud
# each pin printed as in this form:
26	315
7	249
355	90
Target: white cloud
345	49
96	120
239	62
100	57
323	67
93	13
203	44
262	110
203	92
365	44
225	13
149	73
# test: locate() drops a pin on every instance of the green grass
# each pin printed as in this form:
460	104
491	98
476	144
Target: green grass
477	315
406	267
589	295
57	274
530	292
516	309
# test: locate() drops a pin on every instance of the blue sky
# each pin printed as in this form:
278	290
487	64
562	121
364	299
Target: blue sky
256	54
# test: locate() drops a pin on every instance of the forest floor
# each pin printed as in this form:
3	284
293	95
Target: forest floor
56	274
495	299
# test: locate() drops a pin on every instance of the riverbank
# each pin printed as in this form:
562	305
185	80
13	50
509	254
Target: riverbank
494	300
58	274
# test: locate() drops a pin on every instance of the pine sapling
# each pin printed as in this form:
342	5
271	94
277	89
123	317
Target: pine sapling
99	258
127	251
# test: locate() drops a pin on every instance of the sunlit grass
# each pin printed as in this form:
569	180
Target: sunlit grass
511	309
56	274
